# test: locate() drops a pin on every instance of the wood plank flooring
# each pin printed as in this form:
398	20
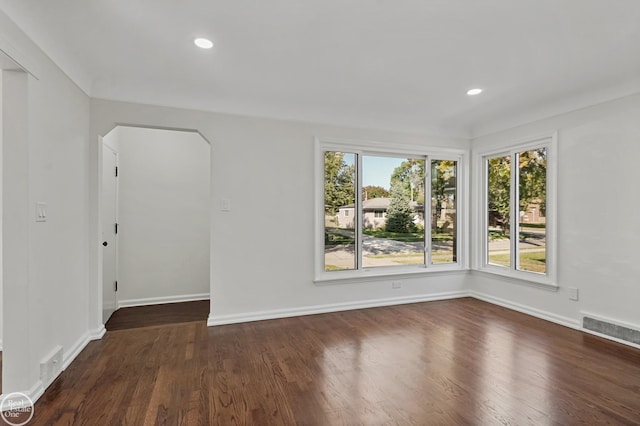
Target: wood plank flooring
170	313
456	362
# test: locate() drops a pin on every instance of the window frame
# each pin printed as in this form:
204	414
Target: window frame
481	157
362	148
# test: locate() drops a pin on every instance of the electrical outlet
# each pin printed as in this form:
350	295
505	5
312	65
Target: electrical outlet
396	284
573	293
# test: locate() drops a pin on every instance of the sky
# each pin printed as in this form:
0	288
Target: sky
376	171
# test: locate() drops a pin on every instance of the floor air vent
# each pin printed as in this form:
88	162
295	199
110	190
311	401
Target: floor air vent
614	330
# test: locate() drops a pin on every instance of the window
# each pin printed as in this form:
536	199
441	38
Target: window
394	228
519	211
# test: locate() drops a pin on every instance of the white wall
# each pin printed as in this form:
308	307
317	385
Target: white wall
598	221
1	245
264	166
164	210
45	158
261	254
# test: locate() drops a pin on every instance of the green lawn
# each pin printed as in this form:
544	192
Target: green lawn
407	237
328	267
529	261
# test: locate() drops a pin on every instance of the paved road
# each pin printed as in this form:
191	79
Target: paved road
342	255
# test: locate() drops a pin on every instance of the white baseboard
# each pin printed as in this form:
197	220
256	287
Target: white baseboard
34	393
71	354
613	339
162	300
97	333
558	319
38	389
322	309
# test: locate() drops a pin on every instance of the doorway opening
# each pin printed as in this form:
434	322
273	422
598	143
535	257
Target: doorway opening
155	217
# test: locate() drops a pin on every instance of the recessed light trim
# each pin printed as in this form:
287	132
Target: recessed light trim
473	92
203	43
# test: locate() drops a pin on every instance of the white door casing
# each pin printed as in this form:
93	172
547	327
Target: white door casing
109	231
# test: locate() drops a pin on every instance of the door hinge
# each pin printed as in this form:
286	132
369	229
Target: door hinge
115	286
116	229
116	171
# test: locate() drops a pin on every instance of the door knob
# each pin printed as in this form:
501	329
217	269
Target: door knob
105	243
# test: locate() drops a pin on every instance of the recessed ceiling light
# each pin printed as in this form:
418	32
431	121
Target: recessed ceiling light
203	43
472	92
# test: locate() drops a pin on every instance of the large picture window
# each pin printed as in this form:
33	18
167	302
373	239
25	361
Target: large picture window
518	211
388	212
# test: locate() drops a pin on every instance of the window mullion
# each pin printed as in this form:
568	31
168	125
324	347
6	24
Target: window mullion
515	211
357	220
428	214
485	213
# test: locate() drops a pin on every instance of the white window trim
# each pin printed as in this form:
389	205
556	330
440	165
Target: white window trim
548	279
377	148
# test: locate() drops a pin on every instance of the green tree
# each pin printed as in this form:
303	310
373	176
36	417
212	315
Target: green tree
410	173
371	191
339	180
499	191
443	184
399	214
532	185
533	179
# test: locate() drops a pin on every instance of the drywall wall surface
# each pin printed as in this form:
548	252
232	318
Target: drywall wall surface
1	185
262	249
47	155
598	228
164	210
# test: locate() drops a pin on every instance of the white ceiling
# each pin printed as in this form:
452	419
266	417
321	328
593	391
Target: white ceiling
394	64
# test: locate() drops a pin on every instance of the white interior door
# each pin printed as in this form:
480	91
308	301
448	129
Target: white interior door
109	231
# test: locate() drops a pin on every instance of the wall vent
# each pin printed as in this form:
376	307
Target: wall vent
610	329
51	366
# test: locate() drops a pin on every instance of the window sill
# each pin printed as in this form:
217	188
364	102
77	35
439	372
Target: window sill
524	278
382	274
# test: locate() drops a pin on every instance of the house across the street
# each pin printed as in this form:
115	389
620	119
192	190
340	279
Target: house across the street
375	213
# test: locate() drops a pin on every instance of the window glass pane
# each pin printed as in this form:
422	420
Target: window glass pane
339	205
532	189
394	188
498	209
443	211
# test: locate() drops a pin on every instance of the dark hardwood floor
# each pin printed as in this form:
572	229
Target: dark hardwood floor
457	362
170	313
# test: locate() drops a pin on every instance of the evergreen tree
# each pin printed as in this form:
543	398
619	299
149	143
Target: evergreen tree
400	214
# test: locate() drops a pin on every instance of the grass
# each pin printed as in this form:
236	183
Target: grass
534	225
394	255
410	258
335	236
334	268
529	261
407	237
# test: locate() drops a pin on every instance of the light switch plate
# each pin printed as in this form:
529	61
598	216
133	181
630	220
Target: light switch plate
41	212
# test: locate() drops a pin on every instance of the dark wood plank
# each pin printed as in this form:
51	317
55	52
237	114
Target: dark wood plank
452	362
147	316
